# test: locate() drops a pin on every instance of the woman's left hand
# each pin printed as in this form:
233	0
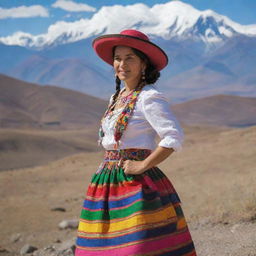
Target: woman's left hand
133	167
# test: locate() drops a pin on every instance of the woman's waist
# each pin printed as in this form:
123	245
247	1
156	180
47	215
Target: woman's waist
127	153
128	144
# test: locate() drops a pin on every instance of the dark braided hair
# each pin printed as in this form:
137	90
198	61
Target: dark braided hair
118	88
151	73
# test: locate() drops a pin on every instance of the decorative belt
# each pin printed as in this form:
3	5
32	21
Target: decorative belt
125	154
116	157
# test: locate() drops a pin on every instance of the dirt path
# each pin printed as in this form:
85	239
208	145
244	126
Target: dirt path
225	240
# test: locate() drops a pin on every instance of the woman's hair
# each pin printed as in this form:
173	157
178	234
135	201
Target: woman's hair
151	73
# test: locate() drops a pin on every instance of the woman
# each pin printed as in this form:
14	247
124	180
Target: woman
131	207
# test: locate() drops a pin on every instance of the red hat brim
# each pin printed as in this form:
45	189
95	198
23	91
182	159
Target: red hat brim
103	46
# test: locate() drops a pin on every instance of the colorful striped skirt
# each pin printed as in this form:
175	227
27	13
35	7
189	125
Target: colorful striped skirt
125	215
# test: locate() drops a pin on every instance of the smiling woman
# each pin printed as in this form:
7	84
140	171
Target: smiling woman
127	65
131	207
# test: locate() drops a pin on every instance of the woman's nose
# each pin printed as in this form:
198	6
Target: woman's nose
122	63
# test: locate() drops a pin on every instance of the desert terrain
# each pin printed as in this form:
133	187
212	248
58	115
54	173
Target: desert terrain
49	151
214	174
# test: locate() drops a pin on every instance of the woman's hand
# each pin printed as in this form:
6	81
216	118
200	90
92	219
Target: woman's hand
138	167
133	167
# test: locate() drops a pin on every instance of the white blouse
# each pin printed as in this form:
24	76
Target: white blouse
151	116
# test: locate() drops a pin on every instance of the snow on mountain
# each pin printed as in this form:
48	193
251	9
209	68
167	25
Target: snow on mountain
173	20
182	21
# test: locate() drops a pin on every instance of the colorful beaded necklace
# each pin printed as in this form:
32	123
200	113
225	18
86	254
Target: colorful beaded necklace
122	120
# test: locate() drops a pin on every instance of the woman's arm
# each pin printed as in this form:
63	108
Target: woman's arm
156	110
156	157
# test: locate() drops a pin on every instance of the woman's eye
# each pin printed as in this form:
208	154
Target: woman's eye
129	58
126	59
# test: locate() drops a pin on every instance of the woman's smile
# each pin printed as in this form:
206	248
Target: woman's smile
123	72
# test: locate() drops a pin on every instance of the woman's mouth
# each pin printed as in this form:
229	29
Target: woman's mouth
123	71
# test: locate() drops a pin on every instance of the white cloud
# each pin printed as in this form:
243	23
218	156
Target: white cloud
24	12
71	6
67	15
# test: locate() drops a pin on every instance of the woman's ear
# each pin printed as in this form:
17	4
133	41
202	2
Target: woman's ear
143	66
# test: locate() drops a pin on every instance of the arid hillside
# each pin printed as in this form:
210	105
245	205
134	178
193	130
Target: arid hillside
30	105
218	110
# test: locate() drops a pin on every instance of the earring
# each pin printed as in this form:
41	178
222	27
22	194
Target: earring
143	78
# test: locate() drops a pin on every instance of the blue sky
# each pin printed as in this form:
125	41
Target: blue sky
241	11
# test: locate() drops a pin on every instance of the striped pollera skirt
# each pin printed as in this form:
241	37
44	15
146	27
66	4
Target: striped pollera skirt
125	215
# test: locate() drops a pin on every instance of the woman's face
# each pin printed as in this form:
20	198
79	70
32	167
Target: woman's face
128	66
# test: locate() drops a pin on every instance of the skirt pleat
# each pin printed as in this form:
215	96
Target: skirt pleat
125	215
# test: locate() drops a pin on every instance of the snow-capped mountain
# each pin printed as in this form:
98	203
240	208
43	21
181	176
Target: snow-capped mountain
174	20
